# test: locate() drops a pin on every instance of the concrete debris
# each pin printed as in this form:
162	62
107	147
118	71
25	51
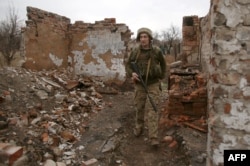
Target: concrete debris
187	92
10	153
52	109
51	118
110	145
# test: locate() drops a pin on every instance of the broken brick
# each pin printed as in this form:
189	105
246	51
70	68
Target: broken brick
227	108
72	84
11	152
68	136
173	144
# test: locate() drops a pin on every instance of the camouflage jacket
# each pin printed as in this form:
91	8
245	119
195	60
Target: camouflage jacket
157	69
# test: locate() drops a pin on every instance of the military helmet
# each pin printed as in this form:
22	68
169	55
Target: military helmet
144	30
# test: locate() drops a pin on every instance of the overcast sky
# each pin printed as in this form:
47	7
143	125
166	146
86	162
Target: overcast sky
154	14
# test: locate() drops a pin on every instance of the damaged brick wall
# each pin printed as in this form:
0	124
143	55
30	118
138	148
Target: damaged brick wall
98	49
45	40
191	39
84	48
188	94
225	57
187	84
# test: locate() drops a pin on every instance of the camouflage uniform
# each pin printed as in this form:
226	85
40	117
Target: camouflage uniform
156	72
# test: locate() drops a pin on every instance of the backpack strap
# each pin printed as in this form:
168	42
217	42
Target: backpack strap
149	62
138	50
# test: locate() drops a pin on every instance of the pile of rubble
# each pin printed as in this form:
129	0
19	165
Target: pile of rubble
187	92
44	113
55	118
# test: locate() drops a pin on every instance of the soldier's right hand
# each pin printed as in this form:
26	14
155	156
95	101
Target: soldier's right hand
135	77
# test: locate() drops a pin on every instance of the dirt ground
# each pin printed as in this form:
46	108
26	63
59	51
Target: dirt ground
72	120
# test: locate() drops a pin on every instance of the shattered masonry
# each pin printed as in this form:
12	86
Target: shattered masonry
218	45
225	57
219	42
51	41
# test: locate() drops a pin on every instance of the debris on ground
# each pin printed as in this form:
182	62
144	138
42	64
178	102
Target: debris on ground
55	118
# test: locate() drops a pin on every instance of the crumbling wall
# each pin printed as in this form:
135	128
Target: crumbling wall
225	57
187	83
191	39
45	40
85	49
188	94
98	49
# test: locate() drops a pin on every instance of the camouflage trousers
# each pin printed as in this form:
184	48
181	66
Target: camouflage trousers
144	109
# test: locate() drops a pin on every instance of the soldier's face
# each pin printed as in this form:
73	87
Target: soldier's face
144	39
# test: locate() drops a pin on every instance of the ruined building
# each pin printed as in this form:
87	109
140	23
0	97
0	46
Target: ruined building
218	45
52	42
187	83
216	54
225	58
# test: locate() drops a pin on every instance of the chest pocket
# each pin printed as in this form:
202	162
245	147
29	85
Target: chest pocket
142	62
144	59
155	68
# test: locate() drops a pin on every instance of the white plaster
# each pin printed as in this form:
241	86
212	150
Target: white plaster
246	91
246	138
229	140
78	60
101	42
105	41
88	69
243	83
118	67
227	47
218	157
245	56
223	146
239	118
57	61
233	15
235	67
70	60
236	106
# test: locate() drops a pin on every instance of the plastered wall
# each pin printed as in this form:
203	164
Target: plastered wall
98	52
45	40
225	52
91	49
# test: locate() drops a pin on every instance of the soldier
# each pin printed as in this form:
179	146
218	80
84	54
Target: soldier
152	67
